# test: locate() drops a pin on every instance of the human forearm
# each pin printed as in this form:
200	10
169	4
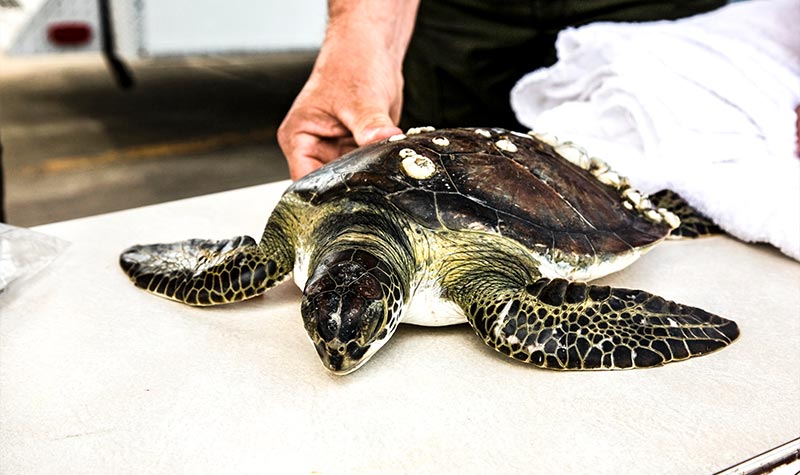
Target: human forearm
385	26
355	92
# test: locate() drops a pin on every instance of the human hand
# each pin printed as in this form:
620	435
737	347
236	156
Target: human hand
347	102
355	92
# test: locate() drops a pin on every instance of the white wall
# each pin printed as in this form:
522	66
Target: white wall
177	27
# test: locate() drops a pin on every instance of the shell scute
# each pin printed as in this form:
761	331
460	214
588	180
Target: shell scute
532	195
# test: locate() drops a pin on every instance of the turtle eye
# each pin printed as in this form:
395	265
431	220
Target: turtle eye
352	317
373	320
328	328
320	315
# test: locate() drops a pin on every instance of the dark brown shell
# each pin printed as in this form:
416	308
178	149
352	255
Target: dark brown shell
526	192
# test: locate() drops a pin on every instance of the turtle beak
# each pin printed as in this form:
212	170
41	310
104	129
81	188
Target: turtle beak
339	335
340	361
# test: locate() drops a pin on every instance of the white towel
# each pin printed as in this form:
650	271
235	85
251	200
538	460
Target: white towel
703	106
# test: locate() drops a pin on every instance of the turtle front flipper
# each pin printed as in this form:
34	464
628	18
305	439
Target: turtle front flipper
558	324
204	272
693	223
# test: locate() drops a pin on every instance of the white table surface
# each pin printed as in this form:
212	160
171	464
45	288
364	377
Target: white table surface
97	376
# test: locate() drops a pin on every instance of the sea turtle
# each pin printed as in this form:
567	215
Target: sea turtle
496	228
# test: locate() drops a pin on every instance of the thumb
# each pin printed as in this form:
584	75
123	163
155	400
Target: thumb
372	125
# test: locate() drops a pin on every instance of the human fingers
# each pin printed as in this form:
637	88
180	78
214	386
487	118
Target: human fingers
302	166
309	137
368	122
309	152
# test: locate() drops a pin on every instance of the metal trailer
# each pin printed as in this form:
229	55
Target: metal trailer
123	30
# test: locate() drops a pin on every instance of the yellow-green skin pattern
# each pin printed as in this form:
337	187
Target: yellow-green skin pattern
480	225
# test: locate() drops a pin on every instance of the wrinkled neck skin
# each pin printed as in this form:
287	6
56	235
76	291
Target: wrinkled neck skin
358	284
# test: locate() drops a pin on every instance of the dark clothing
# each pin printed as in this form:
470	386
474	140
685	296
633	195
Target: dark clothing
466	55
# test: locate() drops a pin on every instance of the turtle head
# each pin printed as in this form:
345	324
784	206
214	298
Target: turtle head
351	306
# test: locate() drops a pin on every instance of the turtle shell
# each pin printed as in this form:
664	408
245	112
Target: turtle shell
490	180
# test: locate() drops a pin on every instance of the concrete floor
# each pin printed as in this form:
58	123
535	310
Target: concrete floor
76	145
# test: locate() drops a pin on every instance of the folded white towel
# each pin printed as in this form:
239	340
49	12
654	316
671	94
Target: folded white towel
703	106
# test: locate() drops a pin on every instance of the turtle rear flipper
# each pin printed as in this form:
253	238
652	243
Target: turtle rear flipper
203	272
693	223
557	324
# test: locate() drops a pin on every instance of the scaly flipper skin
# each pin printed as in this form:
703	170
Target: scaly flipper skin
557	324
203	272
693	223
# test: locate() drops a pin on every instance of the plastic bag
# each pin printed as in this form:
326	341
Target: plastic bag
23	253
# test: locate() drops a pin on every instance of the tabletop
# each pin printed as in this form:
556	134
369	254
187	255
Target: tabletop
97	376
